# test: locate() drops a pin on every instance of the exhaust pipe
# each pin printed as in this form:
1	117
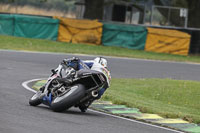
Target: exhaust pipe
94	93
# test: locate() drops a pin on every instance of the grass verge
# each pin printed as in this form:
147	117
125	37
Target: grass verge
25	44
169	98
166	97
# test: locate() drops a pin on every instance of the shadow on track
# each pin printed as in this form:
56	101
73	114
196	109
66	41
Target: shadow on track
71	111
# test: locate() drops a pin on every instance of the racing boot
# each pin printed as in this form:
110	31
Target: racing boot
83	107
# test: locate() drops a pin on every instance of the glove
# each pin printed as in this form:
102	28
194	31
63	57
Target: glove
72	62
66	61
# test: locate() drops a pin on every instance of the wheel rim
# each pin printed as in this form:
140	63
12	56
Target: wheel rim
34	97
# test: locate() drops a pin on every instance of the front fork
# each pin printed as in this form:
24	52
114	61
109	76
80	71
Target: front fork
47	98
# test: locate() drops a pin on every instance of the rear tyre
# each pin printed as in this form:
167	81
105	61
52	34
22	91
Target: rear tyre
35	100
61	103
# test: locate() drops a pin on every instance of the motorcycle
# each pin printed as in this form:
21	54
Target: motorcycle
67	87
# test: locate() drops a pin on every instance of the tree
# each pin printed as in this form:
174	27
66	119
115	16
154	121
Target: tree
194	13
94	9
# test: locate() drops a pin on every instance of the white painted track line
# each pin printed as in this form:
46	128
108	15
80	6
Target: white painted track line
111	57
25	85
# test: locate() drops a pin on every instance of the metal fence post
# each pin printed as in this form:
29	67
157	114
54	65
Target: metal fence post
152	8
186	19
144	15
169	14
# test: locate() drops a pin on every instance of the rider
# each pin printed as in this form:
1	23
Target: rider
95	64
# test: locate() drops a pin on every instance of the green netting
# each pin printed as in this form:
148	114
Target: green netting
133	37
36	27
6	24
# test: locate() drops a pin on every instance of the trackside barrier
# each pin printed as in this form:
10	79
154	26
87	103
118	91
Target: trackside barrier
29	26
7	24
127	36
36	27
79	31
94	32
167	41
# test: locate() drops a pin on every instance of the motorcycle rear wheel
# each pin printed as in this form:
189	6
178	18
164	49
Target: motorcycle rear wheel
61	103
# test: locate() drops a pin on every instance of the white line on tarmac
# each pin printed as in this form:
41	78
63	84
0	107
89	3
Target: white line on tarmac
25	85
111	57
135	121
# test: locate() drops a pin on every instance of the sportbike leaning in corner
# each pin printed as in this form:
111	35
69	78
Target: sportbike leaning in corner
74	83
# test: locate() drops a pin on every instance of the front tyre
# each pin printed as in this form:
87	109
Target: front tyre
35	99
61	103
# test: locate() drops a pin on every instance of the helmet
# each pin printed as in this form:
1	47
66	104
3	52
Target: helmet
101	61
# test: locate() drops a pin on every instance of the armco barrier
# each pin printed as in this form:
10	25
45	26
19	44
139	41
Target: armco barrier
167	41
132	37
79	31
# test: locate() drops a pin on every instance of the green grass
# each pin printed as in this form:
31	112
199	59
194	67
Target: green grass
166	97
16	43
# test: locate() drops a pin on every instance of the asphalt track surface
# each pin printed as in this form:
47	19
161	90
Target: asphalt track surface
16	116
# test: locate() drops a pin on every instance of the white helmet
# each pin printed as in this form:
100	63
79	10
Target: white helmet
101	61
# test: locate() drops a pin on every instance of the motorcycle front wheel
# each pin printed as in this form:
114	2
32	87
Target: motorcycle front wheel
35	100
61	103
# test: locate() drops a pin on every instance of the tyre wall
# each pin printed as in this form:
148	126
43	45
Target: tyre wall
167	41
127	36
79	31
